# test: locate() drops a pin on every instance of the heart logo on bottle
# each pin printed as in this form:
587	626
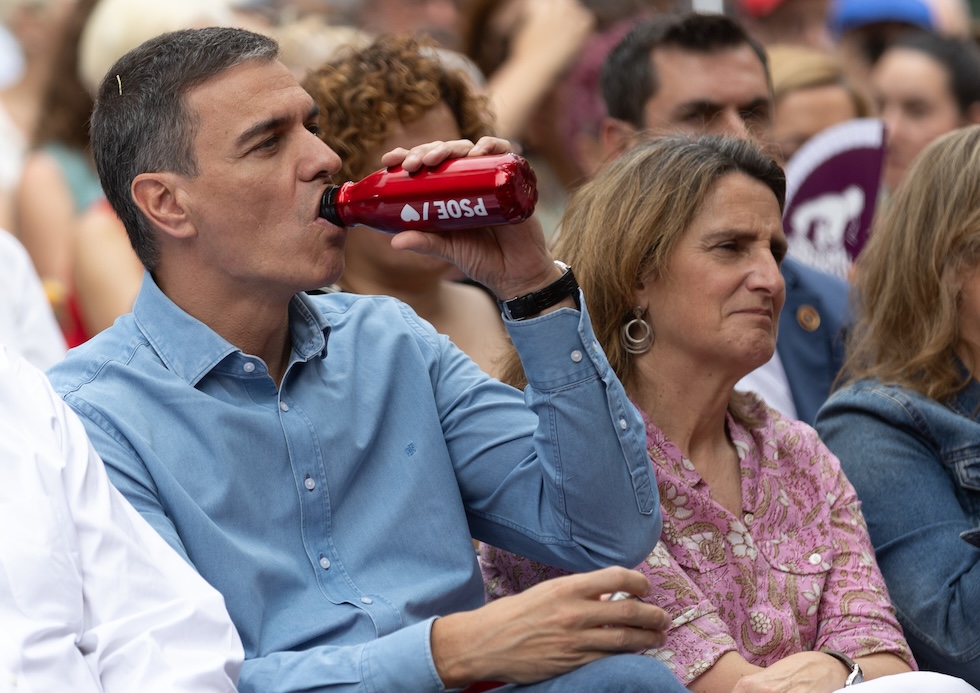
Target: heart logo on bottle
409	214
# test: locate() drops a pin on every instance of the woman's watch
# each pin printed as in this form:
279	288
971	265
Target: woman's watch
533	303
856	676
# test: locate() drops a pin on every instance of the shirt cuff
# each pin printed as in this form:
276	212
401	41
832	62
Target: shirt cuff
559	348
402	661
697	639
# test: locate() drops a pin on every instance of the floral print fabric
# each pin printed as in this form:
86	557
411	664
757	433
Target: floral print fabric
794	572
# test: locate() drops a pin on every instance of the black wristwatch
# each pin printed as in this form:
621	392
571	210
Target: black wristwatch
856	676
533	303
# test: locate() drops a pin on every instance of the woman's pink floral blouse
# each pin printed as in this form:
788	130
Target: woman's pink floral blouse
794	572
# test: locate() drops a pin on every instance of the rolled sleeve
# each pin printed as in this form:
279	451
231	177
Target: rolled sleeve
402	661
558	349
591	439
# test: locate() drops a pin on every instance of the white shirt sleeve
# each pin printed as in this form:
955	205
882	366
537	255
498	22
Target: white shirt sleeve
91	598
27	325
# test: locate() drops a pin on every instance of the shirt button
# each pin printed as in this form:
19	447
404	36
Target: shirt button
283	406
815	559
367	600
749	517
595	346
309	484
248	367
576	356
623	425
324	562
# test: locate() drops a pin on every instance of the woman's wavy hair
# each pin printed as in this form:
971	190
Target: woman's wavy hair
909	276
623	225
363	94
796	68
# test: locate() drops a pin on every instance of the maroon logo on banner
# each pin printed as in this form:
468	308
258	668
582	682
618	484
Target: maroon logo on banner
831	191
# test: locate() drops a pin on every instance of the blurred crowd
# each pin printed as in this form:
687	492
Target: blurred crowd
536	63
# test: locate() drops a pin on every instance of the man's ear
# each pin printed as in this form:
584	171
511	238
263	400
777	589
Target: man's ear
161	199
615	136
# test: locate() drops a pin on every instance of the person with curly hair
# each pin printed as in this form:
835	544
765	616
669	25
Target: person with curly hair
397	92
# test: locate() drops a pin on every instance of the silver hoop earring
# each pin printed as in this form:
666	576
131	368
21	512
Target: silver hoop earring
632	342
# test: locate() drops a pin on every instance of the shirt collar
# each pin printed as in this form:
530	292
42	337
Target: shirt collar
191	349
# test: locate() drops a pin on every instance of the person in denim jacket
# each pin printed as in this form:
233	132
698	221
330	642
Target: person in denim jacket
906	426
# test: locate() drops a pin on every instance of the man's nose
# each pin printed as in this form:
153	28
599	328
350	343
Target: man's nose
730	122
321	161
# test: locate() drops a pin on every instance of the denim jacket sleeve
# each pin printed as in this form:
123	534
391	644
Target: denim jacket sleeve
892	448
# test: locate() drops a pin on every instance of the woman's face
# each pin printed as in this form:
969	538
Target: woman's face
802	113
914	100
718	303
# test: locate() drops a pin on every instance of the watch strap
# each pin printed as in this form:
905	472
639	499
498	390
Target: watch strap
531	304
856	676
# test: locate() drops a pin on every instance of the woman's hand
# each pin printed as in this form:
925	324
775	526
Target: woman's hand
805	672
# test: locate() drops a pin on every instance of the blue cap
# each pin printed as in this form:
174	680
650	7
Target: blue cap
846	15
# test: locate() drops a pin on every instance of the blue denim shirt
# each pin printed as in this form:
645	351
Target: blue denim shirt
335	513
916	466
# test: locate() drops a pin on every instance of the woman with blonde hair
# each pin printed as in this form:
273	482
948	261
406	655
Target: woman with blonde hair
906	426
811	92
765	562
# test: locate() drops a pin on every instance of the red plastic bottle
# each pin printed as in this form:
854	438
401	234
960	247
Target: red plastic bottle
457	194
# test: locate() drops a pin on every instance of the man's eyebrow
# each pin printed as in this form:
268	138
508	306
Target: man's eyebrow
271	125
698	106
761	103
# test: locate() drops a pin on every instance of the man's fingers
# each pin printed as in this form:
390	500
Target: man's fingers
491	145
637	613
585	591
605	581
614	639
434	153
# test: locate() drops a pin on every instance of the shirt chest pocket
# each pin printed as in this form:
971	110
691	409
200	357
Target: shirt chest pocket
799	551
707	548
